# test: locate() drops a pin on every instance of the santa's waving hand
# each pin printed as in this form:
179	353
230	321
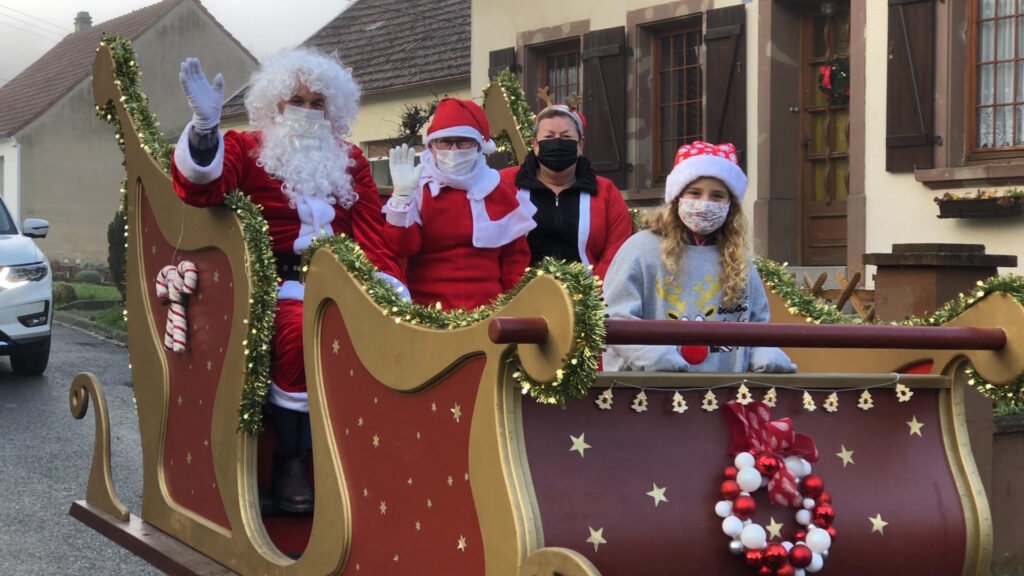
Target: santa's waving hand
205	99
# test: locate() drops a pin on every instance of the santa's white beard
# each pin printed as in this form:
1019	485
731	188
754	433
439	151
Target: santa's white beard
308	160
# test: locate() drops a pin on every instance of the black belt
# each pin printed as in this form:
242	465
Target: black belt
289	266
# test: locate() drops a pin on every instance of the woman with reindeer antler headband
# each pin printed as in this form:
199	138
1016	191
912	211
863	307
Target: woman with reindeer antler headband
581	217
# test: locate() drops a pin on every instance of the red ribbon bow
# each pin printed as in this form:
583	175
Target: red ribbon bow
826	77
754	431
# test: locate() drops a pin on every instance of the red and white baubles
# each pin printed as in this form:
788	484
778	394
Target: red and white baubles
806	551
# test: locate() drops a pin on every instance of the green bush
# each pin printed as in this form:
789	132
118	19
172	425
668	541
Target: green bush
89	277
63	293
112	317
117	255
95	291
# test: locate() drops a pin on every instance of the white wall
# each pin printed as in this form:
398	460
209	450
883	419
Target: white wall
900	209
379	114
9	176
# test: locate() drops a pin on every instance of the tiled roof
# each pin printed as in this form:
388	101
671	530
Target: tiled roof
392	44
396	43
55	73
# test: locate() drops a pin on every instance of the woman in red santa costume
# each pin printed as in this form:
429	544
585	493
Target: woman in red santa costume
309	182
462	230
581	217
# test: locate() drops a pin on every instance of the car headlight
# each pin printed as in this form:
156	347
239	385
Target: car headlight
14	276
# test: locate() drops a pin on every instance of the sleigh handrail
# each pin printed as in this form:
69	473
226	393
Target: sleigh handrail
504	330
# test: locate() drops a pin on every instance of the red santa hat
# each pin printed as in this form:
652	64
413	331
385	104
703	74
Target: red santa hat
456	118
702	159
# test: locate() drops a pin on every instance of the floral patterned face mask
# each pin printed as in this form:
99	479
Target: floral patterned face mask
703	216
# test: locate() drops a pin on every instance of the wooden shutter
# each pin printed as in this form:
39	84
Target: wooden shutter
910	103
604	102
502	59
726	78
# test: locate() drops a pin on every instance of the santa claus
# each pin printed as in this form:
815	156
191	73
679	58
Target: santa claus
462	229
309	182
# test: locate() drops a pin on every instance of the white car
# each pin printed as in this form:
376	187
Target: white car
26	294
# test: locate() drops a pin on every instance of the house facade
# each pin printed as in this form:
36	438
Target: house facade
58	160
850	117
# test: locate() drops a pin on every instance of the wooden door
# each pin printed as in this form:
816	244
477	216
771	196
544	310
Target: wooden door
824	121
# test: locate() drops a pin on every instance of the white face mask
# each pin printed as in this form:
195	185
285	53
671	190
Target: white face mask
703	216
456	162
302	121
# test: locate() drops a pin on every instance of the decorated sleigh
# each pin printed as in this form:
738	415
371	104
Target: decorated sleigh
486	443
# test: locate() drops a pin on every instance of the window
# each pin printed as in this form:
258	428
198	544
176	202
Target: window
679	92
555	64
561	74
691	85
998	60
978	117
377	154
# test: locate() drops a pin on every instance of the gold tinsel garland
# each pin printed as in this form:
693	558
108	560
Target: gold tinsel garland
584	291
799	301
260	266
512	90
261	269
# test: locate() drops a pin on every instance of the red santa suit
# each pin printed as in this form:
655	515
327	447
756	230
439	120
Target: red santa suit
445	264
464	235
600	220
292	227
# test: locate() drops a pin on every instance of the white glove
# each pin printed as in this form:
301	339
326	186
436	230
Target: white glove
770	359
404	176
205	100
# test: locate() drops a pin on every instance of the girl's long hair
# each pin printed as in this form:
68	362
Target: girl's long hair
731	242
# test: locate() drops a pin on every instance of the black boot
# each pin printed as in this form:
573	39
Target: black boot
289	484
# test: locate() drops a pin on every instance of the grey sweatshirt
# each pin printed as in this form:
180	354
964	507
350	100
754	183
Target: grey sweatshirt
638	286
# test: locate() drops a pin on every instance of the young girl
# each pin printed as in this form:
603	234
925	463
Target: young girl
692	265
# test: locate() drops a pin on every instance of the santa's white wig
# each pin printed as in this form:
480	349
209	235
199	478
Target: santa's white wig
278	79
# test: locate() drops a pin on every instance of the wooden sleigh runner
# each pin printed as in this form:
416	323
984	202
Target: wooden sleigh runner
429	459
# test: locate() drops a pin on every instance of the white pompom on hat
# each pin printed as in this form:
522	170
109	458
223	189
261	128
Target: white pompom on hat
456	118
701	160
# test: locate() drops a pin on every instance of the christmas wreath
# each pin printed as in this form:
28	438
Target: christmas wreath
834	81
769	453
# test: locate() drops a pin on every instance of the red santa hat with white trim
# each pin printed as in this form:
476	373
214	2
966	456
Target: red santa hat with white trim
456	118
702	159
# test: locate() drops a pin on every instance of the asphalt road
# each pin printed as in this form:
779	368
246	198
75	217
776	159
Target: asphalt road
45	456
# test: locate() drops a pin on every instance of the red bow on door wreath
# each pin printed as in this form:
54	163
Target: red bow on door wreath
174	284
834	81
770	453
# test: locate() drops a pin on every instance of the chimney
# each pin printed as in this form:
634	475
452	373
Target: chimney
83	21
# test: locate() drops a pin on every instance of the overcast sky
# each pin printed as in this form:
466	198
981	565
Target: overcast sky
28	28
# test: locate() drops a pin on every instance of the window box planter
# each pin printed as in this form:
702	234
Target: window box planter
980	207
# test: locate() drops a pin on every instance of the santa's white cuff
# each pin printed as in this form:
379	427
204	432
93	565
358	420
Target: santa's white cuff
193	172
290	290
401	216
297	401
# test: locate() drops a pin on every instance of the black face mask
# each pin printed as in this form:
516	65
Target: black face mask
557	154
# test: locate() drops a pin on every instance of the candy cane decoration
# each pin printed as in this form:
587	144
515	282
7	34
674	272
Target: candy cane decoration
175	283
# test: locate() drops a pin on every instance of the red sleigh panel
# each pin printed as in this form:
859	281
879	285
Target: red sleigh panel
405	462
894	473
193	374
